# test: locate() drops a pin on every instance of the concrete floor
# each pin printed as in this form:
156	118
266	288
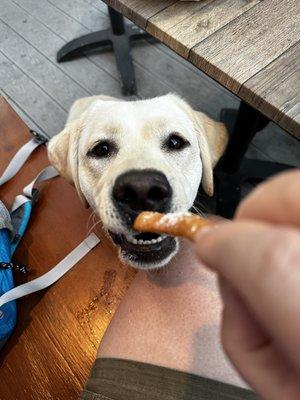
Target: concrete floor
42	91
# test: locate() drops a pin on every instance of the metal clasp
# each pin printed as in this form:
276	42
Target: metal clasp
39	137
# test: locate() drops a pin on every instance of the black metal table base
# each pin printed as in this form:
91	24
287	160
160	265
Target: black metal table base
233	170
229	186
118	36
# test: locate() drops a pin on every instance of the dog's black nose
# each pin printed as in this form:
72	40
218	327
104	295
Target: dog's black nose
142	190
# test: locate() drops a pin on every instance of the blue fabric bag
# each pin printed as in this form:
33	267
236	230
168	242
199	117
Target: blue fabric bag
9	239
13	225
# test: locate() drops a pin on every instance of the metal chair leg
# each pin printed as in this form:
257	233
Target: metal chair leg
118	37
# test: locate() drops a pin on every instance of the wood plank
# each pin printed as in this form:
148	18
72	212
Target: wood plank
10	74
99	4
22	114
60	23
78	10
30	98
139	11
63	90
275	90
68	28
83	71
173	15
54	344
242	48
183	25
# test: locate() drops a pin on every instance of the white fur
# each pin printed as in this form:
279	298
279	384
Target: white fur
139	129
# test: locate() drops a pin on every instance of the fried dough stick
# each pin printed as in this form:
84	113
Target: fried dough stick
175	224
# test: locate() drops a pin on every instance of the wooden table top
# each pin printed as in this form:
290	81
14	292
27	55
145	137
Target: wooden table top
251	47
59	329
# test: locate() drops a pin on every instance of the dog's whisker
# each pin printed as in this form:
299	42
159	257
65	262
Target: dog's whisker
199	204
89	220
93	227
95	224
197	211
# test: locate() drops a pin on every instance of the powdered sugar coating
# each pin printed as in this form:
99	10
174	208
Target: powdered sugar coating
171	219
175	224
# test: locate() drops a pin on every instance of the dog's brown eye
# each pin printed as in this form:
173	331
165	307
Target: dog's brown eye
102	149
176	142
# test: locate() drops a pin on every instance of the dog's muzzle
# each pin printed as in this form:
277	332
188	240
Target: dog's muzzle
133	192
141	190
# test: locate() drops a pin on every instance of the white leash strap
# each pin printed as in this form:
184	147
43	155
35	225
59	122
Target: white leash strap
54	274
19	160
47	173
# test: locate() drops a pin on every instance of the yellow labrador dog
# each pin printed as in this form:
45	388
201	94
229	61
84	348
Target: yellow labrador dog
129	156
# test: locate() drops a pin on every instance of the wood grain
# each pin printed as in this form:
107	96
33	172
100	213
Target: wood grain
58	331
230	40
47	40
31	98
36	66
139	11
182	25
249	43
278	86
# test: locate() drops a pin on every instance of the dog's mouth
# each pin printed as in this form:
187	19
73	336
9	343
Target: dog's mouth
145	250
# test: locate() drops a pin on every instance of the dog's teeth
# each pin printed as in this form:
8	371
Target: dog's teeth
131	239
144	242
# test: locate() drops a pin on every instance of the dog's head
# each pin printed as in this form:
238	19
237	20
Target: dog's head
127	157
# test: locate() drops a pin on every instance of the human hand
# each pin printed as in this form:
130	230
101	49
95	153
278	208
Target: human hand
257	257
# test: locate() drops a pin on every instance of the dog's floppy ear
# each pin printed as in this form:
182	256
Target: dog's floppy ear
212	139
63	153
